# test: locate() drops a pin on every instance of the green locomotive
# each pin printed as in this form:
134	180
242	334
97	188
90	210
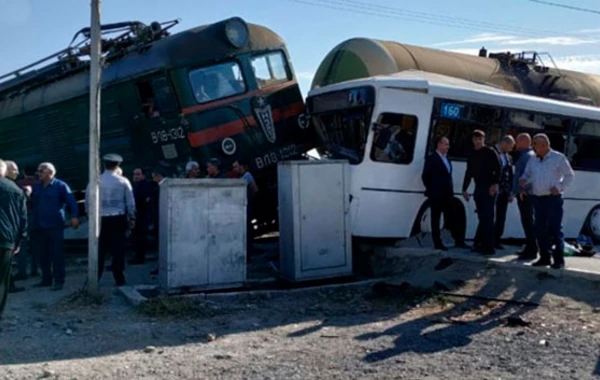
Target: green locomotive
225	90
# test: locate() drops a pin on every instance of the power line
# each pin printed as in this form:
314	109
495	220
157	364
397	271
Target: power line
459	20
580	9
363	8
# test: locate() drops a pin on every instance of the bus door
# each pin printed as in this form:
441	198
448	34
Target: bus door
391	191
159	121
400	129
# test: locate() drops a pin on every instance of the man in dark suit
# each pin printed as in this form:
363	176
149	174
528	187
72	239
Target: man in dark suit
13	228
505	193
159	174
439	188
142	192
483	166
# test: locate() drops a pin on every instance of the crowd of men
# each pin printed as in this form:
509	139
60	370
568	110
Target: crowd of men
34	209
536	180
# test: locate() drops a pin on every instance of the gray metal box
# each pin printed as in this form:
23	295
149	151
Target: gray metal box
314	219
202	235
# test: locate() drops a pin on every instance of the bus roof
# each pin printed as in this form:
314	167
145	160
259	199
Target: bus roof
461	89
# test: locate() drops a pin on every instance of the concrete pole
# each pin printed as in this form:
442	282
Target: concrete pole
93	195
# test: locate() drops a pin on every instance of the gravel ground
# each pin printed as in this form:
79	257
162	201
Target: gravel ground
342	334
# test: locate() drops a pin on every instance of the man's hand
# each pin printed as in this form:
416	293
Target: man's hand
493	190
466	196
523	195
522	182
555	191
510	199
16	250
74	223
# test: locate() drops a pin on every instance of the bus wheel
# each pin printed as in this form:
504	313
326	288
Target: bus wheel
422	223
593	225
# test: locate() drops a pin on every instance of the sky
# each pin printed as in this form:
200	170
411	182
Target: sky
32	29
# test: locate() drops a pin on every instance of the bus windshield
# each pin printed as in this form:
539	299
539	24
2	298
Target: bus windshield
344	133
342	121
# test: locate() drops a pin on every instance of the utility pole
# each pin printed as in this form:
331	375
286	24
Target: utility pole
93	195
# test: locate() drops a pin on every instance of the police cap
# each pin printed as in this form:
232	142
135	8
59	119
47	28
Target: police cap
113	157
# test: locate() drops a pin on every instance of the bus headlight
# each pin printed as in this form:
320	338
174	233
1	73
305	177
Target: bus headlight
236	32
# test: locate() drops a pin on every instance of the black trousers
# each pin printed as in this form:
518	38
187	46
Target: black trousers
485	213
501	209
527	221
5	271
445	205
140	239
113	231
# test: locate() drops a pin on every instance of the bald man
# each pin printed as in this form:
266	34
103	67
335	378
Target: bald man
549	174
523	144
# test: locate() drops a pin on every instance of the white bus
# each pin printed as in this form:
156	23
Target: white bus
385	126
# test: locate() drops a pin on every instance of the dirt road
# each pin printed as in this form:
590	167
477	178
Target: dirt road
333	335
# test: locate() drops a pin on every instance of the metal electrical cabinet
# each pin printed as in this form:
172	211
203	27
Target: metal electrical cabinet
314	219
202	234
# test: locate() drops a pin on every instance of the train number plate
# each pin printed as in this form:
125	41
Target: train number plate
166	135
274	156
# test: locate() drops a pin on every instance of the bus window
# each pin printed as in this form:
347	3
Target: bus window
394	139
345	132
217	82
270	68
458	128
583	147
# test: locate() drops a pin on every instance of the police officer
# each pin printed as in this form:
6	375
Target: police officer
117	204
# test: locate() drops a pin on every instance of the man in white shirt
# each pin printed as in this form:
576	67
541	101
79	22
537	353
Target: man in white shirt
548	174
117	207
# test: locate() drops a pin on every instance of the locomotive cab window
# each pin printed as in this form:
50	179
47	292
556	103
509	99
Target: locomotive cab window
156	97
217	82
394	139
270	69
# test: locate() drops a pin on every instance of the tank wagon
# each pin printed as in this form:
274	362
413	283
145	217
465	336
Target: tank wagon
530	73
225	90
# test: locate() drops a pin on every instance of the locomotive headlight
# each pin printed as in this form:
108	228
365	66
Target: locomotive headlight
236	32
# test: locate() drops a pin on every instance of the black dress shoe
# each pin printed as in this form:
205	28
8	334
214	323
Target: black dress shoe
441	247
558	266
527	255
136	262
43	285
541	263
462	245
20	277
57	287
500	247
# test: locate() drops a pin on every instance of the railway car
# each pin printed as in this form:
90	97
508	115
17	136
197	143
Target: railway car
529	73
225	90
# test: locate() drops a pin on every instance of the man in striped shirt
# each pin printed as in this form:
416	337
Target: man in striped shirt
548	174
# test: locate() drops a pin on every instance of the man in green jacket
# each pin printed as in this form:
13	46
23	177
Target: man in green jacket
13	228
